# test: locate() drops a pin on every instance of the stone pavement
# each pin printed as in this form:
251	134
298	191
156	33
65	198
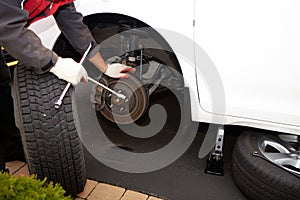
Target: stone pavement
93	190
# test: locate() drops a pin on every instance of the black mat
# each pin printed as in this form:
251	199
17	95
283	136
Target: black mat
182	180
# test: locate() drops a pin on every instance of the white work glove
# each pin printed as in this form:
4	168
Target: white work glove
69	70
117	70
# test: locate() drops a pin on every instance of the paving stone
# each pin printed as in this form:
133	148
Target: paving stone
89	187
14	166
22	172
92	191
130	195
154	198
106	192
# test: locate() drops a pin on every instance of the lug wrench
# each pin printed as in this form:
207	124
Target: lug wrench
58	103
119	95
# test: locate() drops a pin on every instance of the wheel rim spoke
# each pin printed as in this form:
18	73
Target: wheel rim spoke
282	159
279	147
281	154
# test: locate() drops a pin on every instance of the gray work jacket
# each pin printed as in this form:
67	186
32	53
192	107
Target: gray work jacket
24	45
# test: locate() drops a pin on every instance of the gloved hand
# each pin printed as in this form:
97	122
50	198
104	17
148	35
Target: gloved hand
69	70
117	70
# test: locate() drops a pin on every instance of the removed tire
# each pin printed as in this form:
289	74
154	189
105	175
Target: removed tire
260	177
50	140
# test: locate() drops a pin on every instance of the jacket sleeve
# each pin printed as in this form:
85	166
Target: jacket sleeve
70	22
22	43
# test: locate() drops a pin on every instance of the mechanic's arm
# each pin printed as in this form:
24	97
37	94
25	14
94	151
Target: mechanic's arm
70	22
24	45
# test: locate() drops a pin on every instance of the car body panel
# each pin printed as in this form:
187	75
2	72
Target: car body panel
254	46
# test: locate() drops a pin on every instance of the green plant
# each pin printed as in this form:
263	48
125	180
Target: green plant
29	188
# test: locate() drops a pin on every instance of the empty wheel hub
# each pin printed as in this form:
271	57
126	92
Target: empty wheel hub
124	111
117	104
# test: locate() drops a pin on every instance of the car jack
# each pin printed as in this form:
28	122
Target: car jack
215	162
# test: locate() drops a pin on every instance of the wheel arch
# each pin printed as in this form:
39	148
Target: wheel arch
184	66
111	19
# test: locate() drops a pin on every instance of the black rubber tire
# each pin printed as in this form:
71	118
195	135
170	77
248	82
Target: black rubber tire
50	140
258	178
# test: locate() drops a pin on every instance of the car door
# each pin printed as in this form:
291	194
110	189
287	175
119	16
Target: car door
254	46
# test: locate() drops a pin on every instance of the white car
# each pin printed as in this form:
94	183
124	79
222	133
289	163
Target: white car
238	60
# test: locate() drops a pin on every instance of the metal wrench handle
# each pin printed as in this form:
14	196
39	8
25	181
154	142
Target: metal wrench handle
107	88
58	103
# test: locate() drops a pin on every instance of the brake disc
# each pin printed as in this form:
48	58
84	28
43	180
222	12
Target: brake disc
123	111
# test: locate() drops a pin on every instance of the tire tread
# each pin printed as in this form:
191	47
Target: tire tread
50	139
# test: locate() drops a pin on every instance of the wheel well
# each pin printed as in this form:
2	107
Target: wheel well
106	25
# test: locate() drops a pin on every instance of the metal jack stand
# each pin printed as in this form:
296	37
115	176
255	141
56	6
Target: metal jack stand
215	162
